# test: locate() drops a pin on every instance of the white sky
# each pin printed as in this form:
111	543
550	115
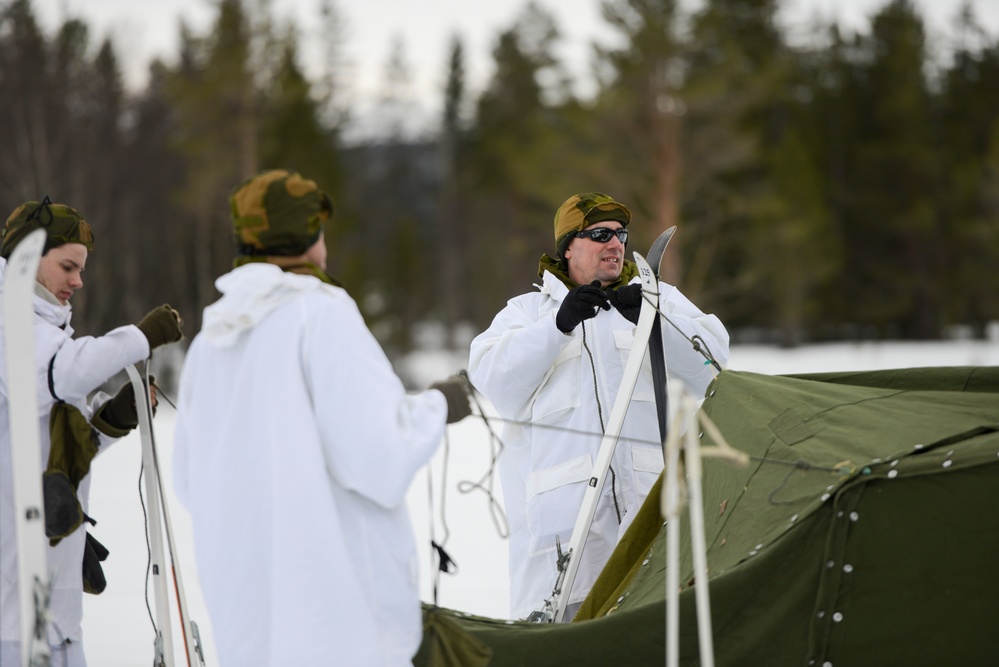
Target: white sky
142	29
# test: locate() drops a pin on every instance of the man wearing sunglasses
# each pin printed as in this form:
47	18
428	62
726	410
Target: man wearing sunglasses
552	362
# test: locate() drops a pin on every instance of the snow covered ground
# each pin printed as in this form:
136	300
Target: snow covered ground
117	626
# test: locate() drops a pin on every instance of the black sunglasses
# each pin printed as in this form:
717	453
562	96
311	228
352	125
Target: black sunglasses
604	234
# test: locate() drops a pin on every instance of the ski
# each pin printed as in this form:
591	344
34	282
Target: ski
159	523
658	249
657	353
569	563
33	578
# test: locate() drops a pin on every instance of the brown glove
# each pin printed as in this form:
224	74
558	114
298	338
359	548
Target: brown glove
455	390
161	326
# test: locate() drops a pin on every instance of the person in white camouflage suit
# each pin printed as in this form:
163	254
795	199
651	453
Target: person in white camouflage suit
553	360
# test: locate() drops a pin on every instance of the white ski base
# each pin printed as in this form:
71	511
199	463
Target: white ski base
22	382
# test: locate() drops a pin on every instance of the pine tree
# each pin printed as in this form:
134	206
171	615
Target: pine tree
969	150
893	226
640	107
213	94
522	161
763	239
452	242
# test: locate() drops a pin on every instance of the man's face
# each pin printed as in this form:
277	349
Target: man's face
591	260
61	270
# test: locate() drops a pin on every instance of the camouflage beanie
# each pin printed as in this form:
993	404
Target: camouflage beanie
61	223
278	212
580	211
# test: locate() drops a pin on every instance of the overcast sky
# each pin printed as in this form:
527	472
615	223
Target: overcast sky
142	29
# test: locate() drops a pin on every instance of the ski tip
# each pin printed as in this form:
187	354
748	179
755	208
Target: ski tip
658	249
28	251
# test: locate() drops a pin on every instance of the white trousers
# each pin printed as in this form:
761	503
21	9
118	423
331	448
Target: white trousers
66	654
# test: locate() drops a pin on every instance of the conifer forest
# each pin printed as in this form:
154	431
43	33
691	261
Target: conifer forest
829	186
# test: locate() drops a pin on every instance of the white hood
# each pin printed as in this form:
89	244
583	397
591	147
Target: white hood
249	294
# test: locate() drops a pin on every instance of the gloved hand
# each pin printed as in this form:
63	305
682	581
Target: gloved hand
455	390
161	326
580	304
628	301
120	411
153	389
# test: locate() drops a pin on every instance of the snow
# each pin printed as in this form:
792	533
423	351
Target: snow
118	632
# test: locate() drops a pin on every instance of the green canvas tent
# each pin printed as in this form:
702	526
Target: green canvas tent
865	531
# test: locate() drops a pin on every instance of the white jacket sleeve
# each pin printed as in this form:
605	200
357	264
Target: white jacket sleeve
375	436
685	321
509	360
83	364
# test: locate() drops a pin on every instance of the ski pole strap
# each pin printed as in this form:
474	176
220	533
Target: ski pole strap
52	380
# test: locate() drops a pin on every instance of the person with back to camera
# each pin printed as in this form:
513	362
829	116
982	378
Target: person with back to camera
295	445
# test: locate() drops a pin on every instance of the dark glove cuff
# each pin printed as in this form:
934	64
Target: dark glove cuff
119	415
102	424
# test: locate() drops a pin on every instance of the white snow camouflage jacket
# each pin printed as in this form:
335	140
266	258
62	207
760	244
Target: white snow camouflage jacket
533	373
295	446
81	366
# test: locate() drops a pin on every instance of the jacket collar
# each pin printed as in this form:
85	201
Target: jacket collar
50	310
555	267
249	294
553	286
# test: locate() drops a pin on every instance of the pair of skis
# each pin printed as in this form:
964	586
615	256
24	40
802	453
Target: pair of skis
33	578
648	337
159	524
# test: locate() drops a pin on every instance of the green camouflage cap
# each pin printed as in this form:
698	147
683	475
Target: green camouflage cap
278	212
61	223
582	210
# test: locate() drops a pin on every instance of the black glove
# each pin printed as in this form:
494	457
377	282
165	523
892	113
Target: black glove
94	553
161	326
120	411
628	301
63	511
455	390
580	304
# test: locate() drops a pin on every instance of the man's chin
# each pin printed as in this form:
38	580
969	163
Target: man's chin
607	277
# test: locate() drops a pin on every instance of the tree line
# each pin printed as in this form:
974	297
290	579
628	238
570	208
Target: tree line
841	186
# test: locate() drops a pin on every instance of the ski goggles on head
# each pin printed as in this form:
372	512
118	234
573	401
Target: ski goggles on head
604	234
